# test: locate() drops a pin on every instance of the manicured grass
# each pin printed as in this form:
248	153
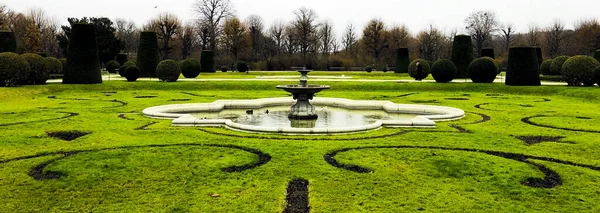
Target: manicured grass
118	167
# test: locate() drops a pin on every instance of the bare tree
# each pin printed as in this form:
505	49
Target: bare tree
290	39
327	37
430	43
6	15
255	29
276	33
212	13
335	45
306	29
39	18
374	37
533	35
508	36
128	34
234	37
481	25
349	38
587	34
554	37
188	38
166	26
399	36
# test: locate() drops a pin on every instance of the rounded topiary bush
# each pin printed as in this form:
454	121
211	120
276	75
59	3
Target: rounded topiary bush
190	68
207	62
123	68
419	74
402	60
483	70
132	73
443	71
369	68
167	71
83	62
122	58
224	68
545	67
112	66
462	54
523	67
39	72
488	52
385	69
13	69
580	70
556	66
8	42
148	55
241	66
53	66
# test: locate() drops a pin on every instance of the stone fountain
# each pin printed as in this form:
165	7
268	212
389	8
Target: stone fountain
303	93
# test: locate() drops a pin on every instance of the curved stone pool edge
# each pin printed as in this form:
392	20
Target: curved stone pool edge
428	115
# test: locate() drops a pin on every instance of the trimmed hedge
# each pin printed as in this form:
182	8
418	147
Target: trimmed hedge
483	70
462	54
83	63
402	60
190	68
557	63
8	42
132	73
540	56
167	71
443	71
148	55
224	68
369	68
207	61
53	65
241	66
13	69
122	58
39	72
545	67
488	52
523	67
419	74
580	70
112	66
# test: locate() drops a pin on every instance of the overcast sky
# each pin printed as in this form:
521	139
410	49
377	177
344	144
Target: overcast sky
416	14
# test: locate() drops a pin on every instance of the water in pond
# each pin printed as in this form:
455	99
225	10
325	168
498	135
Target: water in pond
329	117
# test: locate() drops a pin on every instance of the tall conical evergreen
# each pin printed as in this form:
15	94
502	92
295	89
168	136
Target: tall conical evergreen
122	58
8	42
402	60
540	57
83	62
462	54
597	55
522	67
207	61
488	52
148	56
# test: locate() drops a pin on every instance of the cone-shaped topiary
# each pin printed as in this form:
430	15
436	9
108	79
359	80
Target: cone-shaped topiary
462	54
402	60
8	42
39	72
13	69
419	73
190	68
122	58
488	52
63	61
132	73
167	71
53	65
557	63
523	67
580	70
443	71
207	61
545	67
112	66
540	56
148	55
83	63
597	55
241	66
483	70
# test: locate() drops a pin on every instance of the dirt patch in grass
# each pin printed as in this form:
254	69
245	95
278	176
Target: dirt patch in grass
145	96
145	126
182	99
124	116
406	95
493	95
297	197
67	135
426	101
457	99
531	140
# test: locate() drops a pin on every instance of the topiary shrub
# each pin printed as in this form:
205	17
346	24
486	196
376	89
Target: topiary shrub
557	63
483	70
207	62
545	67
167	71
402	60
53	66
597	75
190	68
580	70
132	73
123	68
462	54
419	74
369	68
39	72
112	66
122	58
8	42
13	69
523	67
224	68
241	66
540	56
597	55
443	71
385	69
63	61
83	63
488	52
148	55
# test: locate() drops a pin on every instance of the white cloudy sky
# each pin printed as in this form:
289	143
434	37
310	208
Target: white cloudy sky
416	14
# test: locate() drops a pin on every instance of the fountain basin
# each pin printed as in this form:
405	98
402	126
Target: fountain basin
425	115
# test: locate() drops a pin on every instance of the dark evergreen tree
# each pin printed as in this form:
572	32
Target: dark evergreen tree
108	44
148	56
83	63
207	61
488	52
8	42
443	71
122	58
402	60
523	67
483	70
462	54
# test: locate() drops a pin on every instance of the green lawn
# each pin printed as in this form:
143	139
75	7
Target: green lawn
131	163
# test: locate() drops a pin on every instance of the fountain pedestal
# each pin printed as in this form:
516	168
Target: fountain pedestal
303	93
